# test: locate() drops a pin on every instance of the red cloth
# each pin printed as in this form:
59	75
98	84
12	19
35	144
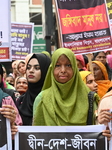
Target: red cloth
81	59
109	60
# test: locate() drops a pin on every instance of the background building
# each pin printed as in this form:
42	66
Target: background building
26	11
29	11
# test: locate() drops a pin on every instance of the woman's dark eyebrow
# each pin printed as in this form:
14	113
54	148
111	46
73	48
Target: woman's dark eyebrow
34	65
37	65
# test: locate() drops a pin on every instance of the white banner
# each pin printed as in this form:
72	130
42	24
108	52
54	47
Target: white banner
60	138
5	134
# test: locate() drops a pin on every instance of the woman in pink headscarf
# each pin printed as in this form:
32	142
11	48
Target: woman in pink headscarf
109	60
80	63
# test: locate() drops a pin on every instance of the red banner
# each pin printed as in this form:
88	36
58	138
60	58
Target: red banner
4	53
84	26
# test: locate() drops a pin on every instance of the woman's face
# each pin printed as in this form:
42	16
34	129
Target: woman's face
10	80
22	85
79	65
63	71
101	57
90	82
22	68
98	75
33	72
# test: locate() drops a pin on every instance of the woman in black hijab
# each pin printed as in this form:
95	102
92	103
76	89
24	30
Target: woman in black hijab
36	70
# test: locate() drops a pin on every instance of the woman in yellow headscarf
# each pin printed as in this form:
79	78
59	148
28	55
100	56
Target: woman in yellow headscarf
89	80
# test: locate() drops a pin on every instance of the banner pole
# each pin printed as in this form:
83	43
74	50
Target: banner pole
58	26
90	62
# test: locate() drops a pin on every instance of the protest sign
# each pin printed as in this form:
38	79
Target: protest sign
5	28
21	40
110	127
109	6
38	40
5	134
84	25
60	137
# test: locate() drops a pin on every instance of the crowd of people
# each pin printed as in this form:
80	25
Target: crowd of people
45	90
